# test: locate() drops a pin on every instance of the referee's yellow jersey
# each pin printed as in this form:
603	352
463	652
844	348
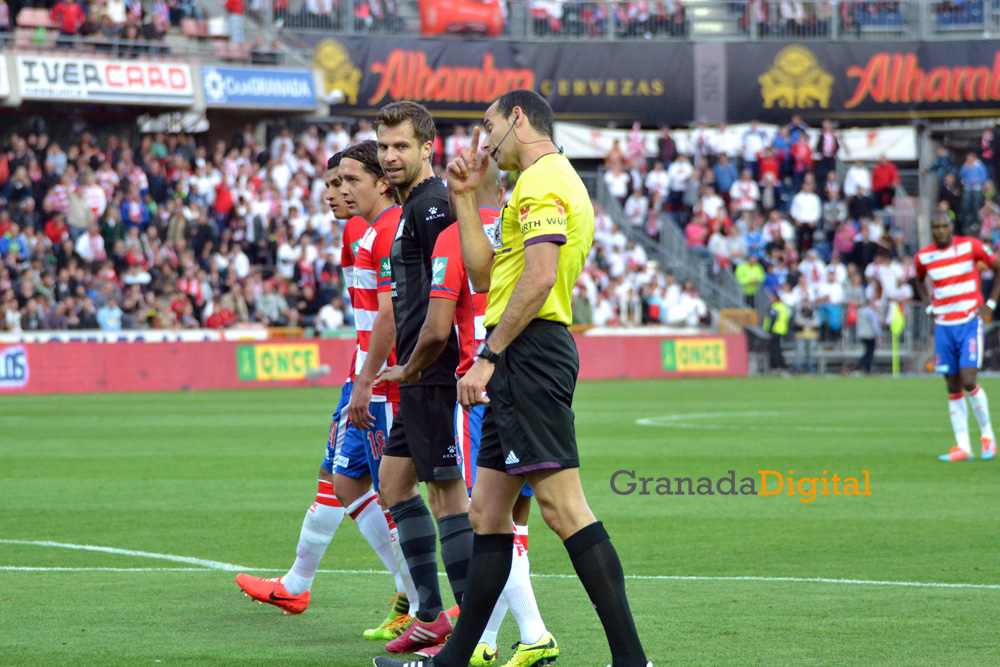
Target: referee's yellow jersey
549	205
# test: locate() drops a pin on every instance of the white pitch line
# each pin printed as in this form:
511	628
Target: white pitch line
214	566
680	421
209	564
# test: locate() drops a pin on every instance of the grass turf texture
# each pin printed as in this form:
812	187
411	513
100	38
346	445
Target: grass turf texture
227	476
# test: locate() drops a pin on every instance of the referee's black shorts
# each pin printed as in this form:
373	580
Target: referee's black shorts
528	423
424	431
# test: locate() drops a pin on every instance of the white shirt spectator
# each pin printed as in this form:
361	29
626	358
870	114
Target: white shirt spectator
689	311
806	208
712	206
813	268
830	292
336	140
858	181
604	312
754	142
636	209
680	173
618	184
240	263
658	182
726	142
778	230
745	193
329	318
288	255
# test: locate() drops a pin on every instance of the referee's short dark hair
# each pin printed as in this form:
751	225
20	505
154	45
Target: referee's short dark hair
534	105
334	161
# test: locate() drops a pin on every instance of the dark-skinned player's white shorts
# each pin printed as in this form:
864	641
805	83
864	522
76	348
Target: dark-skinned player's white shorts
528	425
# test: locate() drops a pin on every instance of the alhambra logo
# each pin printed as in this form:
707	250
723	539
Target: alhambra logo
339	73
796	81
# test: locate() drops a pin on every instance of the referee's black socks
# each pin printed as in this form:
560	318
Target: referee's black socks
489	568
597	564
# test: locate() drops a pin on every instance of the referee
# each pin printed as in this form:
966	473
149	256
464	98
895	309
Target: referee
529	364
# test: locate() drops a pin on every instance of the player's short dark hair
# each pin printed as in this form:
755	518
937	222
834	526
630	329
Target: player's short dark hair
534	105
334	161
397	113
943	216
366	153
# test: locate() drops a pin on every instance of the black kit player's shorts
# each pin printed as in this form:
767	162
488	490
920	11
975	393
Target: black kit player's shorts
423	430
528	425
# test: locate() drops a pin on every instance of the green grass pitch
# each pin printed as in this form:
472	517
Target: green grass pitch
908	575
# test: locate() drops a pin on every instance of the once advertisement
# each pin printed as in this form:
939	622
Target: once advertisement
258	88
113	81
459	79
276	362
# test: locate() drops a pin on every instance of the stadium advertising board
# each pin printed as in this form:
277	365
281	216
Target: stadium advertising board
265	363
459	79
863	80
173	365
95	80
694	354
258	88
607	357
13	367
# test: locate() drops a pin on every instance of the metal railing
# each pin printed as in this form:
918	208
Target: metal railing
673	254
189	51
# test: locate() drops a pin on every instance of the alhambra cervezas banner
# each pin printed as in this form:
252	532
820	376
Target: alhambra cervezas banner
459	78
863	81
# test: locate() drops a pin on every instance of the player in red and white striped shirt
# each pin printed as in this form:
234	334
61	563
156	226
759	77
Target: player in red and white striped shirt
345	476
453	303
952	264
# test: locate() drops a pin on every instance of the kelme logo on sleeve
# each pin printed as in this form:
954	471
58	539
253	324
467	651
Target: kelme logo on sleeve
385	269
439	266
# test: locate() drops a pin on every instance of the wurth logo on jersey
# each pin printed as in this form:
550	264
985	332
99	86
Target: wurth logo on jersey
559	207
524	212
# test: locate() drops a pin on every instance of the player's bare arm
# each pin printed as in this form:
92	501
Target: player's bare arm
379	347
541	265
465	173
986	310
430	343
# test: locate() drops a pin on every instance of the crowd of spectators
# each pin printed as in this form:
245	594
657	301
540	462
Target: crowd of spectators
779	211
138	27
171	232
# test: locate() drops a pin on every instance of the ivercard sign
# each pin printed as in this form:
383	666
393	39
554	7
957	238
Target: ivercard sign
111	81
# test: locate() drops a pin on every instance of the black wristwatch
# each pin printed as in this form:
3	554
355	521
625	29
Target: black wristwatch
484	352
